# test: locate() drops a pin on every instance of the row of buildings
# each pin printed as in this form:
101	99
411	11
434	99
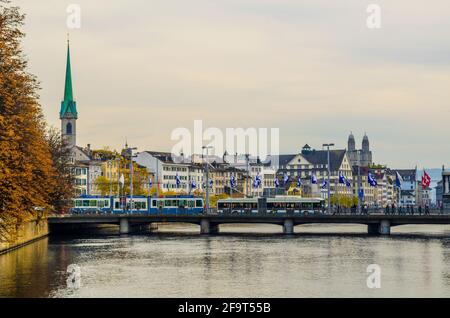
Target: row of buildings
102	172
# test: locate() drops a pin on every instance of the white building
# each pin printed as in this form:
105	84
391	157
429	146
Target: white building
165	170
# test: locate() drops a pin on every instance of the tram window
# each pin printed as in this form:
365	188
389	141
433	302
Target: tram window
116	205
93	203
107	203
160	203
198	203
182	203
140	205
153	203
269	205
101	203
238	205
85	203
191	203
254	205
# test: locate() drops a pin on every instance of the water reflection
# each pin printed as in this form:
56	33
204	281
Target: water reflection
232	264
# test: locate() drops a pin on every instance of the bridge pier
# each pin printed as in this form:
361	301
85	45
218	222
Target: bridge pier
288	226
383	228
206	227
124	227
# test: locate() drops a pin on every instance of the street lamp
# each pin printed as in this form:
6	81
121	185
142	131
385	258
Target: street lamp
359	189
130	151
117	160
329	172
110	177
207	176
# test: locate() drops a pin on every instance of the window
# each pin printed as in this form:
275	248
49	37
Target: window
69	129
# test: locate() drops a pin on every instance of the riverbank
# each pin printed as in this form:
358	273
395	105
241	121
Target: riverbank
27	232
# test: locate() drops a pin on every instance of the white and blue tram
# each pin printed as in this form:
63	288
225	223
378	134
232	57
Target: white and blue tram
276	205
140	205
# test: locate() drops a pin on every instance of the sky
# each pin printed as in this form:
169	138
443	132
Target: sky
311	68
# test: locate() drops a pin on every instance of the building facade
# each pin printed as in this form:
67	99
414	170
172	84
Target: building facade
166	170
446	189
408	186
311	162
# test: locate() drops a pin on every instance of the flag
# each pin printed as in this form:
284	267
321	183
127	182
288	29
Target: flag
177	180
193	184
361	194
257	181
276	182
347	183
313	179
371	180
341	178
299	182
426	180
324	184
150	183
232	181
286	178
398	180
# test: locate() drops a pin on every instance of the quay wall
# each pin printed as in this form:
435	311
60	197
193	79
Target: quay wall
27	232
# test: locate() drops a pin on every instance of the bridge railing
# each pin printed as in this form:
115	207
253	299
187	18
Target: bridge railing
334	212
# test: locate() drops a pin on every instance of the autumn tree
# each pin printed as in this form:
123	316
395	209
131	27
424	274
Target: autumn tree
26	170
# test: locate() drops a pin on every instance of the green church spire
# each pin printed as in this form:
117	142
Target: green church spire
68	105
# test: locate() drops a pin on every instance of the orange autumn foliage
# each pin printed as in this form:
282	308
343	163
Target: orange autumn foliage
27	174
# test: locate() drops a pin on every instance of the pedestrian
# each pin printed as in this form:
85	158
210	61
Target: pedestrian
427	210
386	210
420	210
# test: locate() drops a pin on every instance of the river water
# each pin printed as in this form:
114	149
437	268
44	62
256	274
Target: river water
242	261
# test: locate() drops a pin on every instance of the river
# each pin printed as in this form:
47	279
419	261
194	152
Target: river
242	261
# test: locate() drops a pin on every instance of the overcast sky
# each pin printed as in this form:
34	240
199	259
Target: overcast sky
142	68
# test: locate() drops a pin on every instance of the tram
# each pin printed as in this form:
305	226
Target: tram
138	205
275	205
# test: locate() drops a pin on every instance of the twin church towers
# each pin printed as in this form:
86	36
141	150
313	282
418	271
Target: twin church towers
359	157
68	112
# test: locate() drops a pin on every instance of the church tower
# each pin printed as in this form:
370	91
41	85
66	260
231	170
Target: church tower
68	113
366	154
351	150
351	142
